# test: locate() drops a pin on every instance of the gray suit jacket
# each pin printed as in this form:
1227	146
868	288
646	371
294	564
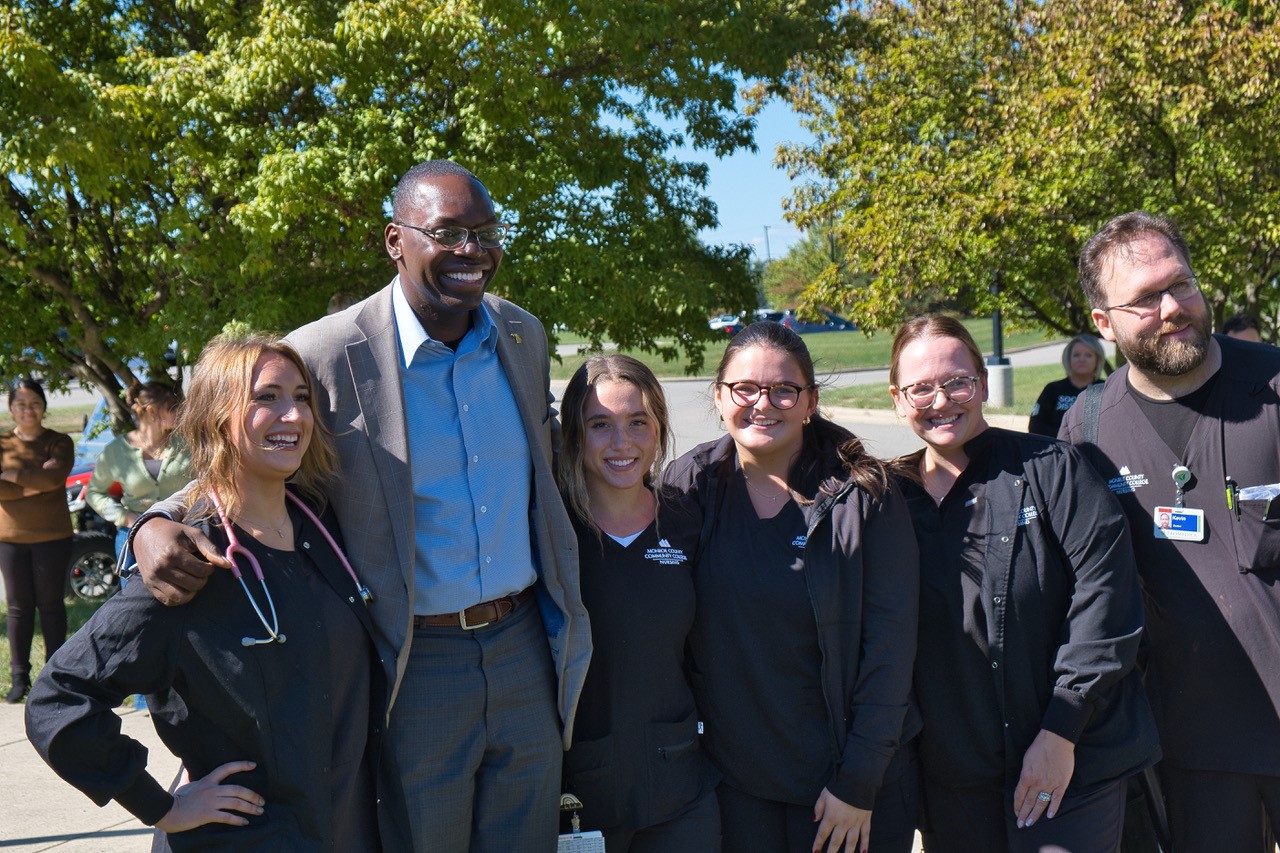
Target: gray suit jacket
355	357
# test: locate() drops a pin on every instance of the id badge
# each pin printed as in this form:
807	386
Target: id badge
1181	523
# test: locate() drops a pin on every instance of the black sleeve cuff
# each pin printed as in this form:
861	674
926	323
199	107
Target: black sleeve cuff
146	800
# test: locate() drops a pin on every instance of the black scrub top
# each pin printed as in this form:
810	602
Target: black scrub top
755	655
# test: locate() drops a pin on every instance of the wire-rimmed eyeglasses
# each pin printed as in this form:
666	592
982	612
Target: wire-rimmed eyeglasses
958	389
783	395
1181	290
453	238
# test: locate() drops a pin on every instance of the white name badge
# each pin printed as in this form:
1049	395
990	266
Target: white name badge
1171	522
581	842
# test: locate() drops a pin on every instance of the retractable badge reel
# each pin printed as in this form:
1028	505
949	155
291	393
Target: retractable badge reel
578	841
1179	522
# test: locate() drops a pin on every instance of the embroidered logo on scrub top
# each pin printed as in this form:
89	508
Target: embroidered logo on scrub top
1126	483
1027	514
666	555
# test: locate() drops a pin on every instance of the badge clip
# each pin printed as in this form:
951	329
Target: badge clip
1181	476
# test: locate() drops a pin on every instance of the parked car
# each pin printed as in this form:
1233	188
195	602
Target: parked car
830	322
91	573
730	324
769	314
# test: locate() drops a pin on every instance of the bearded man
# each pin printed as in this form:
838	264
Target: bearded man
1190	427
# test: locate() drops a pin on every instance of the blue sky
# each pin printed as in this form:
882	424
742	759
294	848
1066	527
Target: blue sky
748	189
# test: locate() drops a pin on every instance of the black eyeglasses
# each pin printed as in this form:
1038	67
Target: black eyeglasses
960	389
783	395
453	238
1148	302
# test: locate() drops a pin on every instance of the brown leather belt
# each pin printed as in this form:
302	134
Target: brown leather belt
477	615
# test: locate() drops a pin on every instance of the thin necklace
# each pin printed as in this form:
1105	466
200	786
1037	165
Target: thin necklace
153	450
937	499
264	527
770	498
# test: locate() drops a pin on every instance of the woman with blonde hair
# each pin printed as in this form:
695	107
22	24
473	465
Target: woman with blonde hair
267	685
635	761
1083	359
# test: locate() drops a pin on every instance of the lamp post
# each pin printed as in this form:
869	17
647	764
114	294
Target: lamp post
999	371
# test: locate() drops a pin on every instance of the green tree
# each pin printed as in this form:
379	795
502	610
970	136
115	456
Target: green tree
958	141
172	165
810	266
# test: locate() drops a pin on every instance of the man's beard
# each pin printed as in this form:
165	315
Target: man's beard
1154	354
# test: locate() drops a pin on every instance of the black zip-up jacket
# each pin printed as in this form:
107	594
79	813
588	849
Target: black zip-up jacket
1063	612
862	571
213	701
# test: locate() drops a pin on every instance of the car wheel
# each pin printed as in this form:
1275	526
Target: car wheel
92	573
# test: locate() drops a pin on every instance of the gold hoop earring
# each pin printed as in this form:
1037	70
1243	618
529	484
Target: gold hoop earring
806	420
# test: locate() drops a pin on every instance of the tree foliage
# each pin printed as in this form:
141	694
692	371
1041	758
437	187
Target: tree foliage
961	142
168	166
817	257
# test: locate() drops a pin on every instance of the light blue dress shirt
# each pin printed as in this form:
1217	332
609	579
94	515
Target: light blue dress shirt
472	472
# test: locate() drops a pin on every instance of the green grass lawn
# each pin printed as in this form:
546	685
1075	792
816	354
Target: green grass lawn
1027	384
831	351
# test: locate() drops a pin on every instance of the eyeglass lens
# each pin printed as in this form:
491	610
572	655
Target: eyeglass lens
1180	291
958	390
489	236
782	396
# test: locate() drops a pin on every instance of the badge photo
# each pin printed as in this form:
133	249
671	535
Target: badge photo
1179	523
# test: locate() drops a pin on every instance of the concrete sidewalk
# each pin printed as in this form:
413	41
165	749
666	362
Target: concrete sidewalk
42	812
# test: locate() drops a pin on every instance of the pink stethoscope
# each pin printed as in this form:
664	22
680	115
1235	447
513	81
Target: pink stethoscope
234	548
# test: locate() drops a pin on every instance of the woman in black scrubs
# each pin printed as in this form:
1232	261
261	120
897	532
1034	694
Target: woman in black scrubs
635	762
806	627
270	692
1030	616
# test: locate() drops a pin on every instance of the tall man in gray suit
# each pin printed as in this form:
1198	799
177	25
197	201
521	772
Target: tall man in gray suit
438	396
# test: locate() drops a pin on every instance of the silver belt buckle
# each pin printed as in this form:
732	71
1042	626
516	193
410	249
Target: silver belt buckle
462	619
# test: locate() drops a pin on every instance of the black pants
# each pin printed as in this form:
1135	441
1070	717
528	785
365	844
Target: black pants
696	828
982	820
35	578
753	825
1211	812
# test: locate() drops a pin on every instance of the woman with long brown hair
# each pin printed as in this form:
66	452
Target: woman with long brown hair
635	761
147	463
806	584
267	685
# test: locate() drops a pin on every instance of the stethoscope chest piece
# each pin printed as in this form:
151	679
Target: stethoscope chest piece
235	549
